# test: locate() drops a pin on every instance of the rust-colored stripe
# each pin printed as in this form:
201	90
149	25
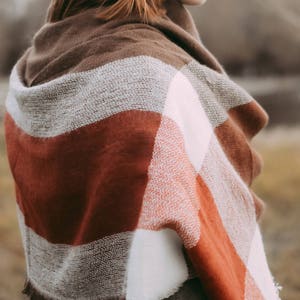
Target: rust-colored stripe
86	184
216	262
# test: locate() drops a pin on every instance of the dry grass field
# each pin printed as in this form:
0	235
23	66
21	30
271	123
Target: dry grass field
11	252
278	185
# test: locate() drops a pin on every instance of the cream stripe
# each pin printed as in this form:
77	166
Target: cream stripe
232	197
183	106
259	269
78	99
217	92
96	270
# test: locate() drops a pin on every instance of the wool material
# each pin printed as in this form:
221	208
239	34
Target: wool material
130	148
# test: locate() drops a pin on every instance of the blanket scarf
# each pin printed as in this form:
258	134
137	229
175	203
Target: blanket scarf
130	149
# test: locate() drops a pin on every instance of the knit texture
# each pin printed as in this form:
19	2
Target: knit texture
131	152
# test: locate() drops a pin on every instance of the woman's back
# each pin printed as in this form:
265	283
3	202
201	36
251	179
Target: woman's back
129	146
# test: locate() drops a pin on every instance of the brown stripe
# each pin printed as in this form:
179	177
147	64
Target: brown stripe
260	205
235	136
83	42
251	117
236	147
86	44
86	184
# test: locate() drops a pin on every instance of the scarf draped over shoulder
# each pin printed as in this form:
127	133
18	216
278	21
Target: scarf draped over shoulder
130	148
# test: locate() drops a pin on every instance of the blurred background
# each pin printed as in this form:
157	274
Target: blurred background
258	42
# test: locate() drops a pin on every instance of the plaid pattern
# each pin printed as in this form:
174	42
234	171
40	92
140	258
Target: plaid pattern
133	170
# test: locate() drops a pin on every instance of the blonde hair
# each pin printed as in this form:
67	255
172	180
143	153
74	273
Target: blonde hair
148	10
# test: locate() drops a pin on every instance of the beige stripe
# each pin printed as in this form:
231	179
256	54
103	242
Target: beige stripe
141	82
259	269
63	272
76	100
232	197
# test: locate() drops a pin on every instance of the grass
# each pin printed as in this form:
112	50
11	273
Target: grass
12	266
278	185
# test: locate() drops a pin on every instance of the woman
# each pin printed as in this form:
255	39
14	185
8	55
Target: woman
130	150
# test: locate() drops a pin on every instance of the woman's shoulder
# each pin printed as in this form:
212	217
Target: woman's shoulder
52	56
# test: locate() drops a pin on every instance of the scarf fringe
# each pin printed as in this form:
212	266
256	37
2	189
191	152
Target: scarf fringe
33	294
277	286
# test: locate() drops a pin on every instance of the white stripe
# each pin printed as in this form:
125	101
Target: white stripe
156	267
79	99
183	106
180	146
232	197
259	269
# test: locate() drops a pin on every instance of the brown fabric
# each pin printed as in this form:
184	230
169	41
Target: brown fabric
82	42
251	118
240	153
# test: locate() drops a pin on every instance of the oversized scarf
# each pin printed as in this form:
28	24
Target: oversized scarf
130	148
